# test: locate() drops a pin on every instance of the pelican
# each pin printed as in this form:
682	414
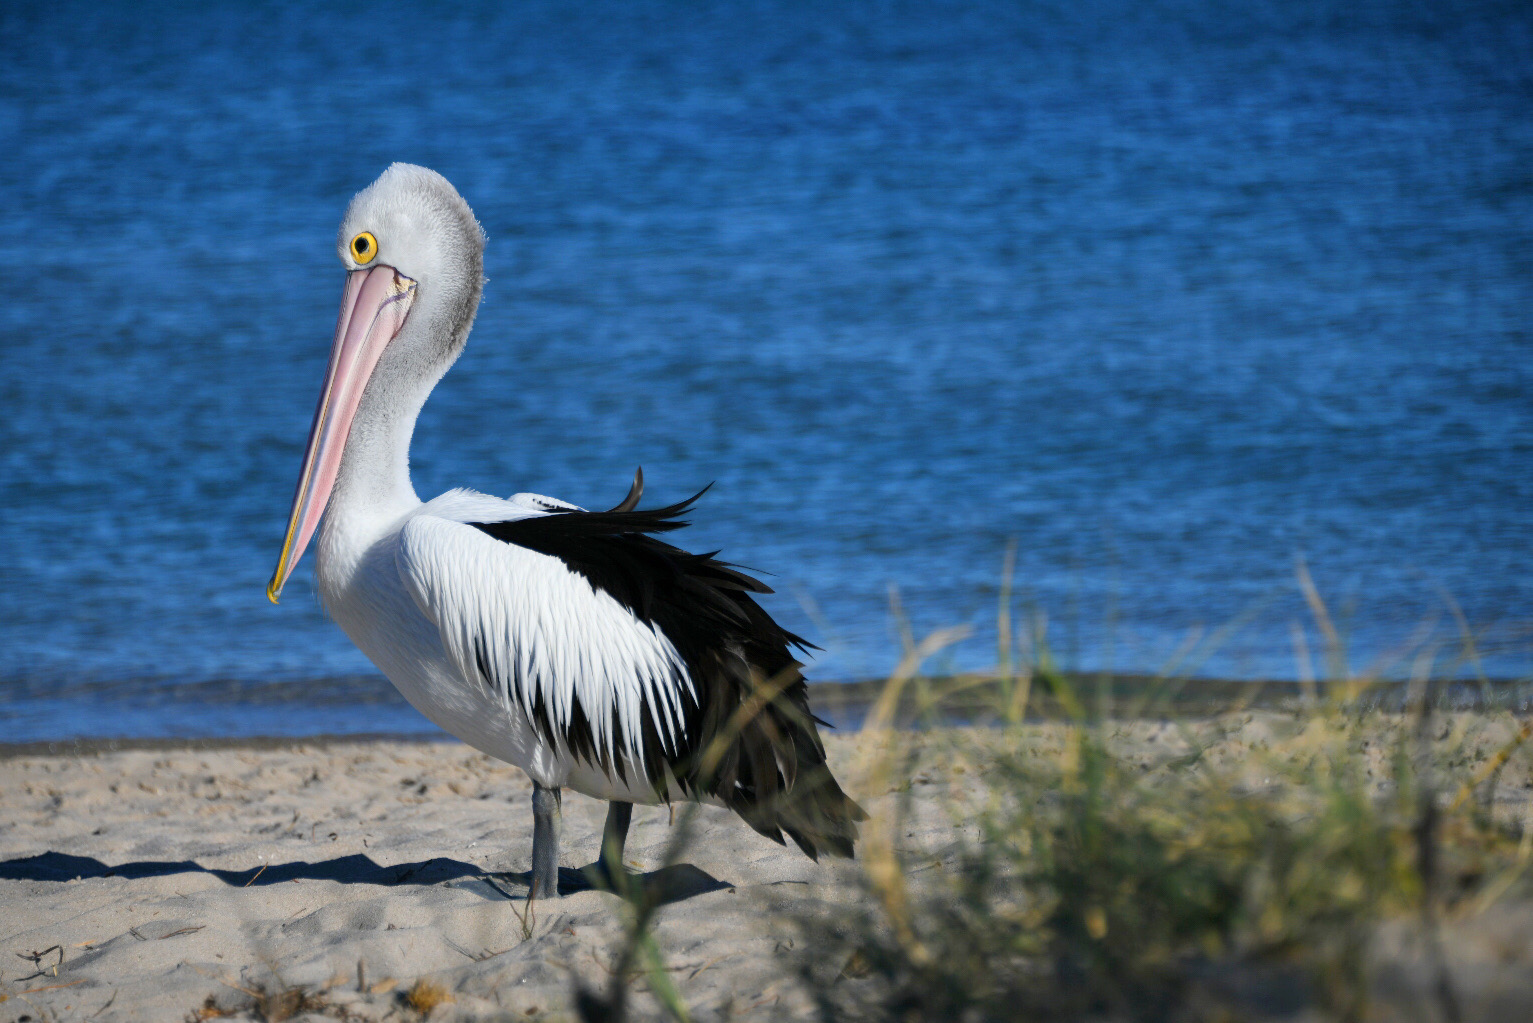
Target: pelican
573	644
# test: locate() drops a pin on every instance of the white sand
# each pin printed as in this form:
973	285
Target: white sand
167	877
373	853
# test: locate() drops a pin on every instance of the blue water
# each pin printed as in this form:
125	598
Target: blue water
1171	294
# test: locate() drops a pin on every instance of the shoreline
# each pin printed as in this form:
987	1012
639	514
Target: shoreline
845	704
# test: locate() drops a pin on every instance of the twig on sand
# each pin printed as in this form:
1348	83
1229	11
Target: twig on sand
528	917
51	987
36	958
484	953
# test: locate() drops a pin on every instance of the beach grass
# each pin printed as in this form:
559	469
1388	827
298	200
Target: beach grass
1119	858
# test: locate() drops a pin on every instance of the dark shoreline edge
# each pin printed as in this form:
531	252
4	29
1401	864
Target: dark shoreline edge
96	745
845	704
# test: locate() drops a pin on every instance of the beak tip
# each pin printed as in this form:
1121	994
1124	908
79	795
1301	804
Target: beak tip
273	591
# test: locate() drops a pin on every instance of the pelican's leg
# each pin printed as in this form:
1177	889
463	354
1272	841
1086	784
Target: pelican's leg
615	836
545	842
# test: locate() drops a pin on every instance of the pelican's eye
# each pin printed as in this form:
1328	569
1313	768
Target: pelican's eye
364	247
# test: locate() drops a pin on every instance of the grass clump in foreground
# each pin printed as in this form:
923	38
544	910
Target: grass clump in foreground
1140	867
1068	859
1319	861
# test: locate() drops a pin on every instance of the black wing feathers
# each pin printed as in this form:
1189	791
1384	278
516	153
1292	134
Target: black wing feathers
635	492
773	772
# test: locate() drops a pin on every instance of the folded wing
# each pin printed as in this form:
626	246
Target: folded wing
625	650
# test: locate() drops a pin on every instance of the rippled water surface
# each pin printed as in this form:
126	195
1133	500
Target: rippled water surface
1168	294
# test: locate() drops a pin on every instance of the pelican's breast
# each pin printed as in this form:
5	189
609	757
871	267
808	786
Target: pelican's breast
375	608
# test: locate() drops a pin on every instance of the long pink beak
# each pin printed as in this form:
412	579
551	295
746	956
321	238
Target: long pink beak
373	311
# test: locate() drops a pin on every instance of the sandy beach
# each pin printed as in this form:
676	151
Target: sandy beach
170	884
164	878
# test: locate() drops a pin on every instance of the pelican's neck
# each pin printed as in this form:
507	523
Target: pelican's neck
372	489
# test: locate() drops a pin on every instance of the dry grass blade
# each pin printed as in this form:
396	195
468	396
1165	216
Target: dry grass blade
50	987
880	862
1494	764
1335	655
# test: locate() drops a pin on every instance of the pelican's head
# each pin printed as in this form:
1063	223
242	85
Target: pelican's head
414	256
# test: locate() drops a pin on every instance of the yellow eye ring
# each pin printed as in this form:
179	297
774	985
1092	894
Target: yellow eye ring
363	248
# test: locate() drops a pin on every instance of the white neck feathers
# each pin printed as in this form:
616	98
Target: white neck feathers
373	491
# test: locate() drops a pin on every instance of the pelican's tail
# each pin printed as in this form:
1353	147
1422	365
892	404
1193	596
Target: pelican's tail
768	763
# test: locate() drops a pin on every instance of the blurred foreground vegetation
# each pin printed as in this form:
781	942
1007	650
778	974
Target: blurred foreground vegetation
1247	866
1346	857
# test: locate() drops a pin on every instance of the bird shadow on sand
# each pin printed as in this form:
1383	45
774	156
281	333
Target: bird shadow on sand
674	883
668	884
354	869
